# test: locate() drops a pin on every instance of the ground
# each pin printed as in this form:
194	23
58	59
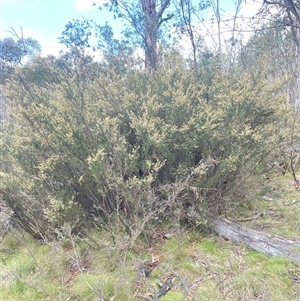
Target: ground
166	262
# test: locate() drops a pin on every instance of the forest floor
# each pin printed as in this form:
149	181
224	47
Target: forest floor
167	263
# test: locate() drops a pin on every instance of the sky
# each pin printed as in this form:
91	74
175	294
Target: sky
45	20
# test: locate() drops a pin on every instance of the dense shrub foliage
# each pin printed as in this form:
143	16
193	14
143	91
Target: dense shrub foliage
84	143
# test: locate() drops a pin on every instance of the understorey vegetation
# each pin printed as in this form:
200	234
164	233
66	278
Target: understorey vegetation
85	145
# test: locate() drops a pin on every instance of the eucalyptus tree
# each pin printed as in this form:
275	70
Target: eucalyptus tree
185	15
14	52
117	54
286	14
144	20
276	44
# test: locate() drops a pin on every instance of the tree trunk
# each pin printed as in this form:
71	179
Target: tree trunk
153	20
272	245
149	8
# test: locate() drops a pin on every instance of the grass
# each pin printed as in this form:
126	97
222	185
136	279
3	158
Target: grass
281	215
203	267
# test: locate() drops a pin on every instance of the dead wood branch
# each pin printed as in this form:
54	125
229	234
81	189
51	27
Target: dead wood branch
272	245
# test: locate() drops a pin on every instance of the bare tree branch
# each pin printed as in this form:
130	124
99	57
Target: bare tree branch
162	9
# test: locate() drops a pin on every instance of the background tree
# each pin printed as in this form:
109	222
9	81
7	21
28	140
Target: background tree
13	53
185	14
117	53
287	16
77	34
145	18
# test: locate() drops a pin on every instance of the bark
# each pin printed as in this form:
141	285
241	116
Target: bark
153	19
272	245
149	8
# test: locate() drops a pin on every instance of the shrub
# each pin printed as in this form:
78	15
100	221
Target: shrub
91	145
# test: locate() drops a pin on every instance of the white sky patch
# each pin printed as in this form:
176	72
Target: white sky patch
30	33
83	5
97	54
52	48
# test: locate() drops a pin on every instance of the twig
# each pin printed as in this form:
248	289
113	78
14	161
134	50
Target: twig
200	281
290	204
255	216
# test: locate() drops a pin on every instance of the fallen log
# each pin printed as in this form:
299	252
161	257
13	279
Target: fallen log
269	244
